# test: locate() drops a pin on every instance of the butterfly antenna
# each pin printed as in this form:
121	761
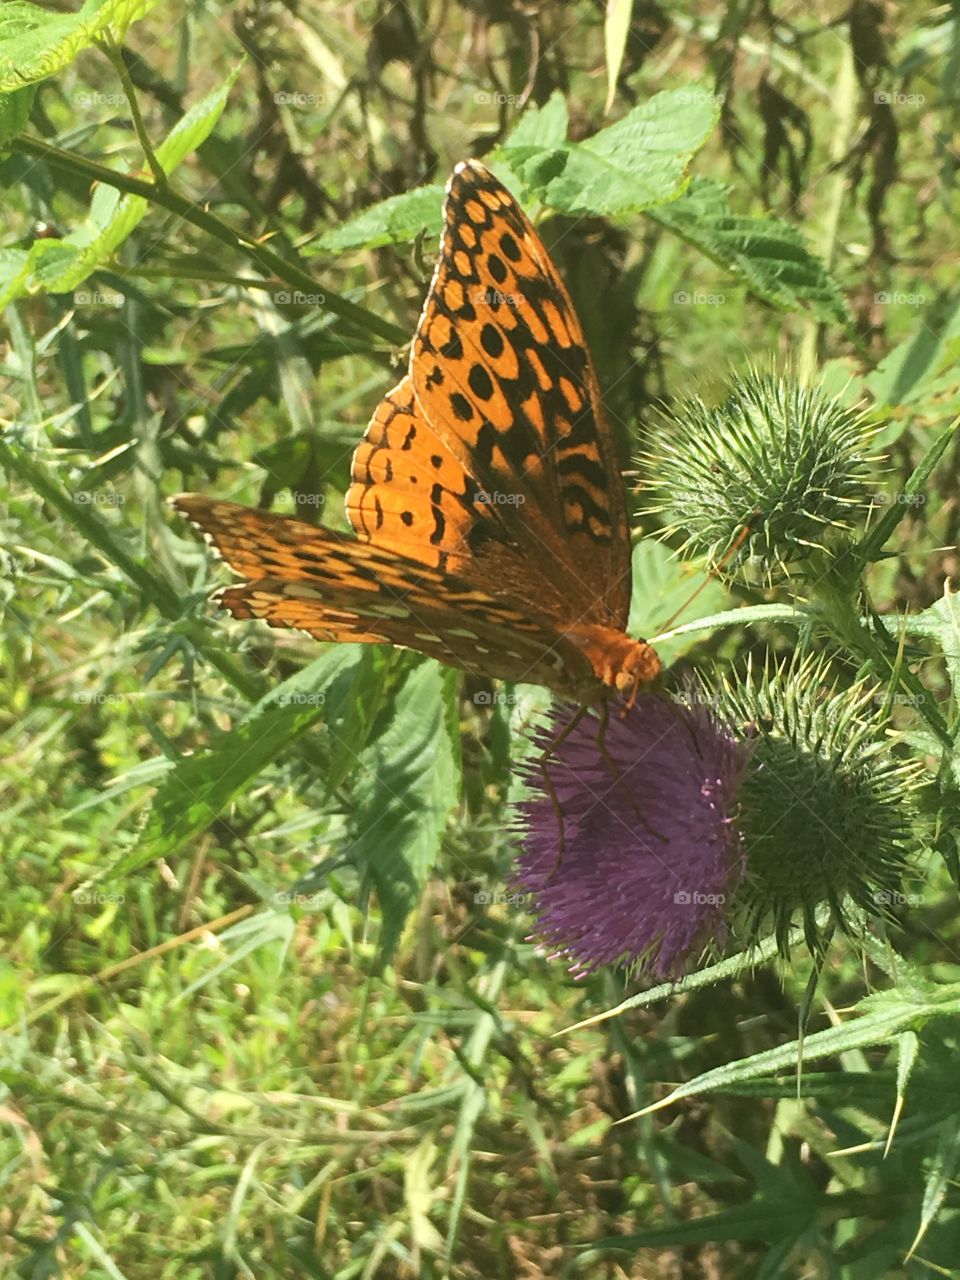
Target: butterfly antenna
713	574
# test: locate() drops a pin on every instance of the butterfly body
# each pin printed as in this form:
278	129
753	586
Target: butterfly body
488	509
619	663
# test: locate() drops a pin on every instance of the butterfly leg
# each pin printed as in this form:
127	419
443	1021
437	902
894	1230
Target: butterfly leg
678	709
617	774
558	809
545	755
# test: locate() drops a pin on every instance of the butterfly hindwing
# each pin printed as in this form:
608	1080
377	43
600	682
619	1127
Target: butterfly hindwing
337	588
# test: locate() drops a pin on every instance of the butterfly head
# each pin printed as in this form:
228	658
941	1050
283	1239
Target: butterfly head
640	666
618	662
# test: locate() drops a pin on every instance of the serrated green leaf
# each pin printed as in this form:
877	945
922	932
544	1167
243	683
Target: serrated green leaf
35	43
405	790
940	1176
19	268
58	266
544	126
882	1017
766	254
640	161
396	220
199	788
730	967
908	1050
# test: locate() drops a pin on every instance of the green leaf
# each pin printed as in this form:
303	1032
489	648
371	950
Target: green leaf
12	263
396	220
616	28
786	1205
199	788
911	371
730	967
882	1018
943	620
768	1217
58	266
640	161
940	1176
544	126
650	146
35	43
405	790
768	255
15	112
751	613
908	1050
873	542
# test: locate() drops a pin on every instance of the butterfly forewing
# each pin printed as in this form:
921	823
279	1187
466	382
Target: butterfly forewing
500	366
411	494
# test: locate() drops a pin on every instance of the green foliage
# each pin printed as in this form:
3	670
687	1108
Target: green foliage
404	792
200	787
920	373
767	254
640	161
57	265
35	43
395	220
266	1005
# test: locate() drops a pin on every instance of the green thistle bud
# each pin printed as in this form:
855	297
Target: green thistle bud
771	474
825	806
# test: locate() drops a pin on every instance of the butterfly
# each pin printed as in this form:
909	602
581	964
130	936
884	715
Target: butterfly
488	511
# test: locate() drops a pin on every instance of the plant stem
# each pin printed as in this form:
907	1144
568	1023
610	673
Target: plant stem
847	614
113	52
269	262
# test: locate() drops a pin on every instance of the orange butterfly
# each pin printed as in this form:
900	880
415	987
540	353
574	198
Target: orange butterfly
489	511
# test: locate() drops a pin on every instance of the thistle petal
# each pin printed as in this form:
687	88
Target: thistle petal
650	851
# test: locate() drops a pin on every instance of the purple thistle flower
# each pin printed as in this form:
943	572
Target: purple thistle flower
648	859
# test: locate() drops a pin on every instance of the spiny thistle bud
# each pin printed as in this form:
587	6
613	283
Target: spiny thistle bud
826	803
772	473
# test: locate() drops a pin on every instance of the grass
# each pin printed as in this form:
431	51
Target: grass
259	1017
